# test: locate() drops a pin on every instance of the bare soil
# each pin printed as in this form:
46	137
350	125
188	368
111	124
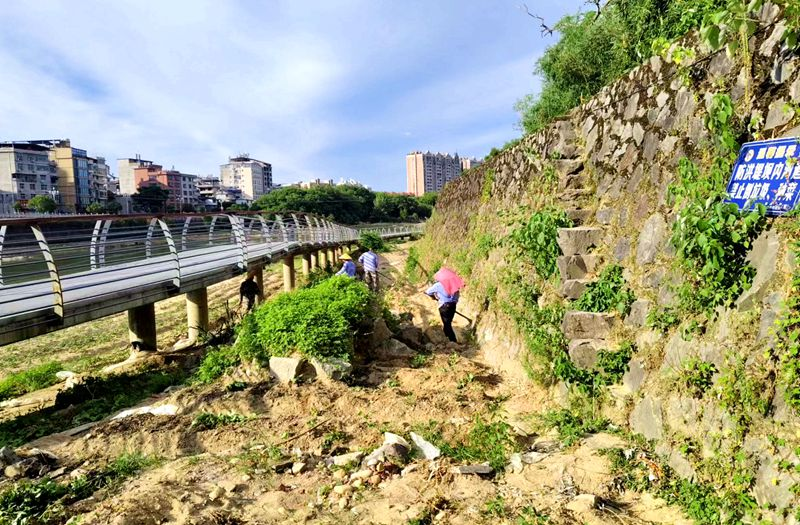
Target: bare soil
226	475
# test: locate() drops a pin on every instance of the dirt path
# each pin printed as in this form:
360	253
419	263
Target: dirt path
271	466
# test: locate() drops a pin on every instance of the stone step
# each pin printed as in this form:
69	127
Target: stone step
573	182
573	288
578	241
579	216
574	194
588	325
583	352
577	266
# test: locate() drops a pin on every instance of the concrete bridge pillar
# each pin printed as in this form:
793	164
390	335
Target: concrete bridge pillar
306	264
288	273
197	312
323	258
314	261
332	256
142	327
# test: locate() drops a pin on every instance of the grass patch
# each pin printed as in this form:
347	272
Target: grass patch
486	442
94	399
208	420
571	426
36	378
44	502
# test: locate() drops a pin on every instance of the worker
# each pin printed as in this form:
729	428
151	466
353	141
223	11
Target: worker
248	291
369	260
349	267
447	307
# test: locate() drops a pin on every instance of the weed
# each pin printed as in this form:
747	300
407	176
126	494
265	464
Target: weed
536	240
372	241
528	515
452	361
571	426
488	182
697	376
607	294
30	380
495	508
662	319
468	378
742	393
332	438
208	420
419	360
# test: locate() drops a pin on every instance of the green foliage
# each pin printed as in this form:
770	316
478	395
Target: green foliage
419	360
486	442
42	204
697	376
347	204
495	507
372	241
787	331
662	319
465	259
705	503
610	368
95	207
595	49
507	146
712	239
530	516
317	322
43	502
488	183
208	420
607	294
742	393
36	378
571	426
536	241
150	199
331	439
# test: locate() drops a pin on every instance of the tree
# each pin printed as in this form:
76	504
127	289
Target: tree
18	207
43	204
95	207
112	206
150	199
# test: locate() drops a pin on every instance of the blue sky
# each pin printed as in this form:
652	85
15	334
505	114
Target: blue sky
321	89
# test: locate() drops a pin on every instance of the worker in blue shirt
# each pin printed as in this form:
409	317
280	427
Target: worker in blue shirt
348	268
369	260
447	308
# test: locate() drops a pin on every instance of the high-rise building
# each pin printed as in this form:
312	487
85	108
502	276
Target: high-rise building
469	162
427	172
26	171
127	179
253	177
72	165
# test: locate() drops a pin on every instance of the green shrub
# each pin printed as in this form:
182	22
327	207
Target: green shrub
317	322
372	241
536	241
697	376
488	183
742	393
486	442
208	420
38	377
607	294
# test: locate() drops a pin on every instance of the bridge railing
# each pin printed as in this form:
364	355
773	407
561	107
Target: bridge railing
52	264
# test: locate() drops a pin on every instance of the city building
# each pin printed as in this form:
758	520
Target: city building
469	162
99	173
207	187
182	187
427	172
315	182
127	179
26	171
253	177
74	182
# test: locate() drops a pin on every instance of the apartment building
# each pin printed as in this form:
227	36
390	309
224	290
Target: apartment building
99	173
126	176
26	171
427	172
74	182
182	187
252	177
469	162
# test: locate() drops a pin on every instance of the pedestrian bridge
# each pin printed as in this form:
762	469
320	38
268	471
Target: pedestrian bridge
62	271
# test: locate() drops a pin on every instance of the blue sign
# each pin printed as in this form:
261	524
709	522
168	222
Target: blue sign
767	172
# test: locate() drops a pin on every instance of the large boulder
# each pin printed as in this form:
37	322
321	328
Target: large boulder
393	349
577	266
584	352
764	258
291	369
651	239
646	418
573	288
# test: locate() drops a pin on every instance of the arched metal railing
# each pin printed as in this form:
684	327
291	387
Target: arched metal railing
77	267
